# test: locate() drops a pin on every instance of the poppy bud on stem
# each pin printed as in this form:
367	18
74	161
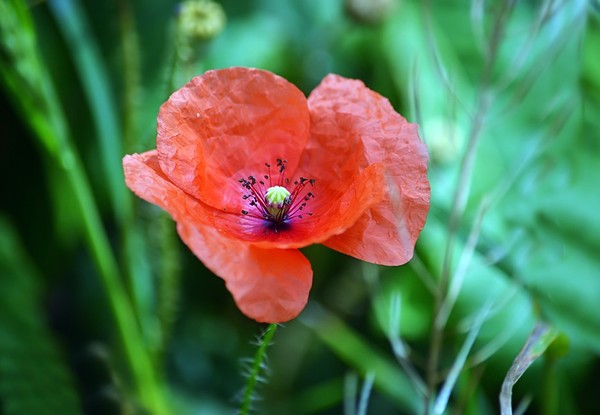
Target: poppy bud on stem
197	22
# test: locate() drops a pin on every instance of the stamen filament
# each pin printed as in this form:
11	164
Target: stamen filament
276	204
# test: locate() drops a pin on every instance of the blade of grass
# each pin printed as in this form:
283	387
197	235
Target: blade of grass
96	85
350	392
365	393
459	363
33	92
94	76
399	348
540	338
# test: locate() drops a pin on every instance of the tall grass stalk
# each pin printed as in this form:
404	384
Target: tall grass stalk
462	188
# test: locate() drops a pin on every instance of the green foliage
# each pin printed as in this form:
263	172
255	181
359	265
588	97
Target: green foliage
352	348
34	378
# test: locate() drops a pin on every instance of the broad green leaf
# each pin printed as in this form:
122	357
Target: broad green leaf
34	378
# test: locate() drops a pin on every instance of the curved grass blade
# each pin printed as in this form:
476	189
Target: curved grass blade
540	338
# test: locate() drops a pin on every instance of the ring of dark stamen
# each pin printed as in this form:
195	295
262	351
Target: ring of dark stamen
291	208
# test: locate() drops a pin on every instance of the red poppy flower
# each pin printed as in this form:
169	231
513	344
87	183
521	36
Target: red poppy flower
252	171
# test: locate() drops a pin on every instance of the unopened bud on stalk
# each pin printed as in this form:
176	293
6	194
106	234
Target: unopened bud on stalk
200	20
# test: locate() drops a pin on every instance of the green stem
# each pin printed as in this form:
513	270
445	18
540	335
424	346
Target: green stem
137	268
130	53
257	365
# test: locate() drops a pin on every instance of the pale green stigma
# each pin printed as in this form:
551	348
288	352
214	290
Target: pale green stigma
277	196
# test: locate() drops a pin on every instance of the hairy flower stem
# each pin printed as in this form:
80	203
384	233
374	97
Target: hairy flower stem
257	365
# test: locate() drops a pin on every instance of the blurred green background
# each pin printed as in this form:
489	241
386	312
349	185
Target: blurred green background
104	311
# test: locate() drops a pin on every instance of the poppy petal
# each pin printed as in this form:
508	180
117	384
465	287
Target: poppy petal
386	233
268	285
145	178
330	213
225	125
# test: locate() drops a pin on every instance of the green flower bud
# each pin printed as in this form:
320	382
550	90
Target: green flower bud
200	20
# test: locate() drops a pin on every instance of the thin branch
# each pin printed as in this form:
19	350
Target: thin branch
459	363
400	349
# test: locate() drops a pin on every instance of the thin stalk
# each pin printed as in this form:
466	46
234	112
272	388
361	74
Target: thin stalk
399	348
365	393
462	190
459	363
173	61
138	275
460	198
166	236
350	392
131	74
257	366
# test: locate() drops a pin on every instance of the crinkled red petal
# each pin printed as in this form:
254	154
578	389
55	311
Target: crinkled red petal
268	285
386	233
225	125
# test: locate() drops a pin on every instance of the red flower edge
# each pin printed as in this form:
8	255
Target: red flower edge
360	168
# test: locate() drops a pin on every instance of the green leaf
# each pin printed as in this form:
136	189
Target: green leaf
94	77
560	246
34	378
25	79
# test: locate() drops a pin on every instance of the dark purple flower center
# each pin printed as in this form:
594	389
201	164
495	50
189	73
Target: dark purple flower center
271	201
